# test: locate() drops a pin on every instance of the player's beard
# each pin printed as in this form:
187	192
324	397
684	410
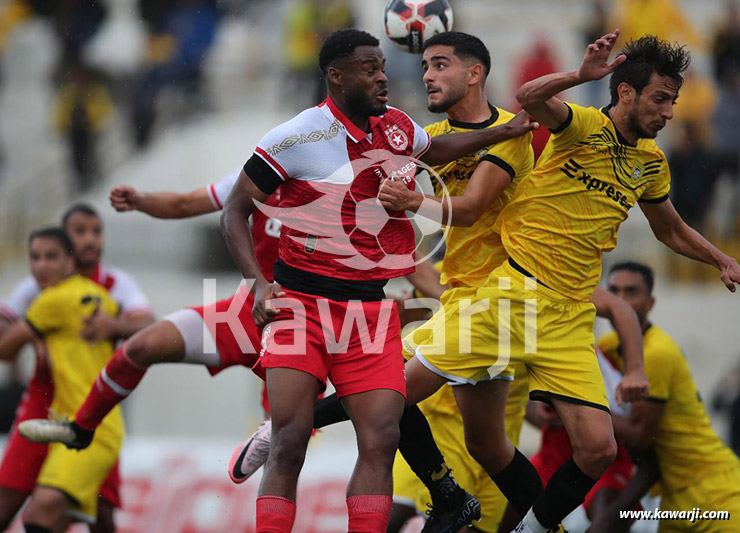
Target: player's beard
450	98
633	119
359	101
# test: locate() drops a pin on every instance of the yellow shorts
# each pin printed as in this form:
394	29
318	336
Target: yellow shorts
79	474
719	492
513	320
447	427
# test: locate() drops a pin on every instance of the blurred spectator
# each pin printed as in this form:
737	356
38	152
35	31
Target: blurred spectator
663	18
726	44
539	61
82	109
333	15
598	25
696	105
76	22
12	13
726	400
307	23
181	33
694	171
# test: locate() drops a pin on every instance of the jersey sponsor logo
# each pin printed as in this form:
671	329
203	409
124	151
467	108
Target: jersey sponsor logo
356	231
397	138
305	138
575	171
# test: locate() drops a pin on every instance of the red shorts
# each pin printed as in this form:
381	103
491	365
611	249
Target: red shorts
23	459
556	450
356	358
226	339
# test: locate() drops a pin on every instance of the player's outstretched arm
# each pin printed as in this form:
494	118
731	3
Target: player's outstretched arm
234	225
634	386
486	184
671	230
162	204
645	476
13	339
537	97
452	146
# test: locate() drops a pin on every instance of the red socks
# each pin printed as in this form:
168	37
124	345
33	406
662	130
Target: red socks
369	513
275	514
119	377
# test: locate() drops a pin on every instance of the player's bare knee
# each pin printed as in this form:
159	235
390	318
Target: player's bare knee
487	450
288	447
595	456
147	348
379	440
46	506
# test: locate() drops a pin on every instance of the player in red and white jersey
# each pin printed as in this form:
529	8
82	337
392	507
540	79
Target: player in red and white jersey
22	460
329	161
230	337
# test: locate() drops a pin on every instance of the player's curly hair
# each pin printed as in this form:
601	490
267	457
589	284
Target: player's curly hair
646	55
638	268
54	233
341	44
464	45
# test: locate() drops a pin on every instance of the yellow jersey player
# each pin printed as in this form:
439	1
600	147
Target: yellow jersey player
694	468
597	165
69	482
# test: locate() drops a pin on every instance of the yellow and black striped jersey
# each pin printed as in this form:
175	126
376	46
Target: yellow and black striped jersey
566	213
473	252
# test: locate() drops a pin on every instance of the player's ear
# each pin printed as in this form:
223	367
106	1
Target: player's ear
475	74
651	303
334	75
627	93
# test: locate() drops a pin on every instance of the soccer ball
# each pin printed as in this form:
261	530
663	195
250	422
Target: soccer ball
408	23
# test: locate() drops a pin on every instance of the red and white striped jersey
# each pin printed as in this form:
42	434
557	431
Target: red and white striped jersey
265	230
329	171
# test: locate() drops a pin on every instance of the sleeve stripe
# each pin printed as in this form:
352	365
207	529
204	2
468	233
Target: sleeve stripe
273	164
656	400
654	200
214	198
36	330
427	147
500	163
565	124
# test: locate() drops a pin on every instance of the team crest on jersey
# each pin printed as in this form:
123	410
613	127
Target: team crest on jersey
397	137
637	171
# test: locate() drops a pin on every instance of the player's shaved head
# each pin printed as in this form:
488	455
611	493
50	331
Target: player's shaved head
342	44
465	46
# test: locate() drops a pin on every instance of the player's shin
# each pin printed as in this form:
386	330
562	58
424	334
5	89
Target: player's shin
418	448
119	377
566	490
520	483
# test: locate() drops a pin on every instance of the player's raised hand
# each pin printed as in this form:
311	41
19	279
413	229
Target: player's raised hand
731	275
124	198
263	311
633	387
595	63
